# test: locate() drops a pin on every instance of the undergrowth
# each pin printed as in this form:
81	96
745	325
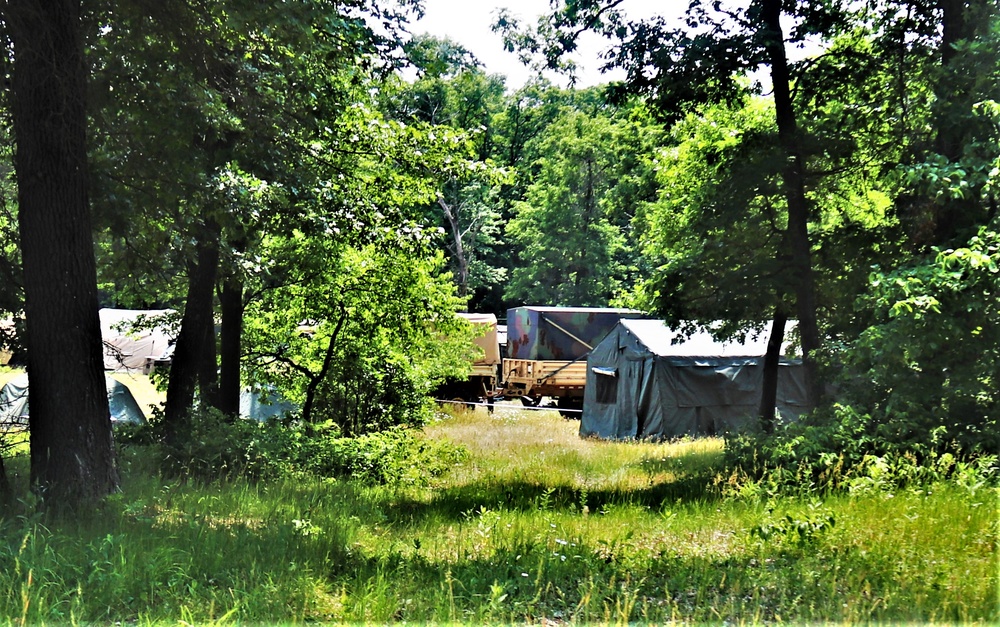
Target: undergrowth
530	525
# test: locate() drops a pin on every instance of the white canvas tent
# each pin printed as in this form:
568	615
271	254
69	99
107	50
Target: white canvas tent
127	349
14	403
641	384
6	331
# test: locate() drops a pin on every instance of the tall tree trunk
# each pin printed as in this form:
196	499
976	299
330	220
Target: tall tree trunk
208	361
71	443
957	218
460	259
230	348
772	359
198	315
804	282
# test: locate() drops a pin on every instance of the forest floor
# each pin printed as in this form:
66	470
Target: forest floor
536	526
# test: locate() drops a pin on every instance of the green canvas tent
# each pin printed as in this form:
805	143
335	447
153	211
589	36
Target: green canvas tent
14	403
646	381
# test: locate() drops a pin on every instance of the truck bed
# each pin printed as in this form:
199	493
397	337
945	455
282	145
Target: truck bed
531	377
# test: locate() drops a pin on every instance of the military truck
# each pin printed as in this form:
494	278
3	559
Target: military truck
482	381
547	351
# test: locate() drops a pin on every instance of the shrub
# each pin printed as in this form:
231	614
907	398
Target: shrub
834	448
396	456
926	374
217	447
370	391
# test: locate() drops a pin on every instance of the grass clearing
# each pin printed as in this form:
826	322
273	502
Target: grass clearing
536	526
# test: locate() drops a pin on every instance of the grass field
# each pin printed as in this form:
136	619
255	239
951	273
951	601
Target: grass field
536	526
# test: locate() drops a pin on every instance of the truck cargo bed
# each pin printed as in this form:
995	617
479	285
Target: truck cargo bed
531	377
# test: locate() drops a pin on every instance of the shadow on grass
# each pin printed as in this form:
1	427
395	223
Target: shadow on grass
519	495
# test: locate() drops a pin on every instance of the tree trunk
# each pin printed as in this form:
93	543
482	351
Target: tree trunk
460	259
316	379
803	280
957	218
5	490
230	346
72	460
772	359
198	316
208	356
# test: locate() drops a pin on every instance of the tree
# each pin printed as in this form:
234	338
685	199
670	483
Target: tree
567	243
455	95
222	109
380	330
71	444
705	63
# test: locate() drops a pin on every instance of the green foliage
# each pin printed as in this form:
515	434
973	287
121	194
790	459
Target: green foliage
719	201
395	457
926	373
836	448
357	336
222	449
569	230
216	447
799	530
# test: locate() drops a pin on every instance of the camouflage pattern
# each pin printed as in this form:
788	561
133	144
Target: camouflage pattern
561	333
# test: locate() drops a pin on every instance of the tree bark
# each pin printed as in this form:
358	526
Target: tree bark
5	489
793	179
198	315
208	356
72	460
772	359
230	347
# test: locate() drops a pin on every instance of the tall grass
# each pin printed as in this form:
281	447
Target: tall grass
537	525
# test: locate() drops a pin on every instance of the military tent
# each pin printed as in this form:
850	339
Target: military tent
14	403
133	337
646	381
262	405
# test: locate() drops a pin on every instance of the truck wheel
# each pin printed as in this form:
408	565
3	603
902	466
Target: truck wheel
529	401
569	407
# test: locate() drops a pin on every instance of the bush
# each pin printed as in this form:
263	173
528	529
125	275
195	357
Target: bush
396	456
838	448
369	393
926	374
217	447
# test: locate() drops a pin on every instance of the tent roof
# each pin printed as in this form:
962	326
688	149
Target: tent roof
661	341
112	318
587	310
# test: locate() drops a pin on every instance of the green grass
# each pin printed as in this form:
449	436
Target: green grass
536	526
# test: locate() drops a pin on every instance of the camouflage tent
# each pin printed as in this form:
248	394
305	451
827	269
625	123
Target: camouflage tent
646	381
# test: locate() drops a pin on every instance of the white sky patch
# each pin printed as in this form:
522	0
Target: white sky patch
468	22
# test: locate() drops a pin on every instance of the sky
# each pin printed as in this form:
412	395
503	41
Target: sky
468	23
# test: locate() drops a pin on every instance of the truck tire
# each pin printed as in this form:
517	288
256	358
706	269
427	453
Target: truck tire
569	407
530	401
